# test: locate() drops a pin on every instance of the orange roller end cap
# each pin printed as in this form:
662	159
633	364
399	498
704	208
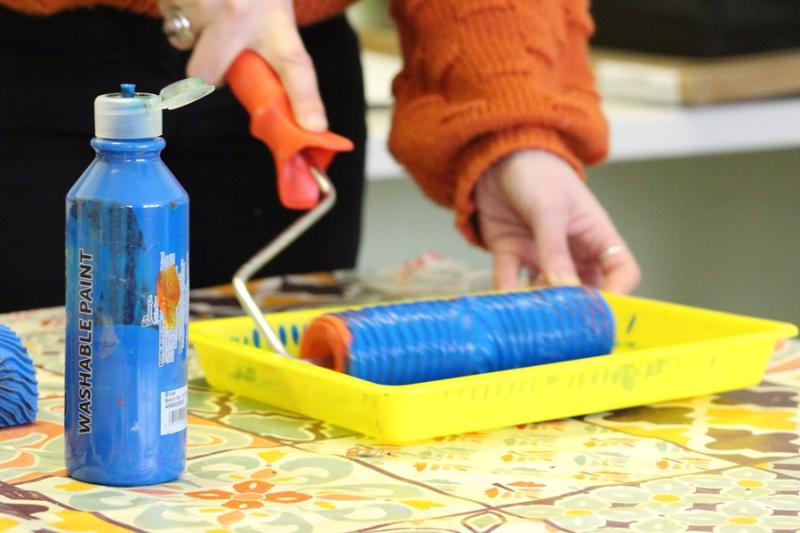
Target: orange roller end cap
326	342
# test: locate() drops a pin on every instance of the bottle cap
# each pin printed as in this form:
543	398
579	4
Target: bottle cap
131	115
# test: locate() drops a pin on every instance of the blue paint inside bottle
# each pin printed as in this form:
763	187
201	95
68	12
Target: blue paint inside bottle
127	312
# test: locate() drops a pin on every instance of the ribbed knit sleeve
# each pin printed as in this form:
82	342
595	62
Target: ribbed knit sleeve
306	11
50	7
485	78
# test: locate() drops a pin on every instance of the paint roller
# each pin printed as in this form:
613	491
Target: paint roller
414	341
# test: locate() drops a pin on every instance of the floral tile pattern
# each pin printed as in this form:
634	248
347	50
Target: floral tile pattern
488	521
259	489
248	415
731	500
745	426
25	510
525	462
725	463
788	467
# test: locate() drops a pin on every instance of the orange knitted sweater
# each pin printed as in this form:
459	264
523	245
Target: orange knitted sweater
482	79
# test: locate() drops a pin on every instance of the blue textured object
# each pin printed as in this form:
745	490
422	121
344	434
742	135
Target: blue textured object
423	341
18	385
127	312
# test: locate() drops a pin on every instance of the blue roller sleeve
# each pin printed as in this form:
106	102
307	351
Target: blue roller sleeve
18	385
423	341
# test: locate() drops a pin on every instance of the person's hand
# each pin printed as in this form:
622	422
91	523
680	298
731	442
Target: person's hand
225	28
535	212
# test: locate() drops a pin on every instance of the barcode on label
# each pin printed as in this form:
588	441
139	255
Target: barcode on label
173	410
176	415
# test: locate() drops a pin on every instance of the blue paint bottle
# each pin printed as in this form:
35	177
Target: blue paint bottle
127	301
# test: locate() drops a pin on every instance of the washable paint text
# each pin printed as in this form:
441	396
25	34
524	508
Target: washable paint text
85	334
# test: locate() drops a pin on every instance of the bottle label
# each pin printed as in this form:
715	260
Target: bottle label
173	410
168	308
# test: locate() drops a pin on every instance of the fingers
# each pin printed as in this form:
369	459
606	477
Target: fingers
535	277
268	27
506	270
511	251
534	211
538	189
214	52
590	274
606	261
285	52
621	272
549	225
507	266
604	248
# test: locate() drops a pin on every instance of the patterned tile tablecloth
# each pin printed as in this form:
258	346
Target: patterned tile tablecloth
726	463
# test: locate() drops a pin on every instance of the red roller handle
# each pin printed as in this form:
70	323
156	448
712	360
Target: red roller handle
260	91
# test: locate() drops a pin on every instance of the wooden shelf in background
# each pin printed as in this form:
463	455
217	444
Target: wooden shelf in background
688	81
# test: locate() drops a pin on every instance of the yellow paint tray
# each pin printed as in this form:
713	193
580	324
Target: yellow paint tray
664	351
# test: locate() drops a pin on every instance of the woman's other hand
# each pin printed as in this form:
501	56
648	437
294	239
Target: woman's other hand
535	212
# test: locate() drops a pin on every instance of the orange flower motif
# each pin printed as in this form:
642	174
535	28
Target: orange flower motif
250	495
168	293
